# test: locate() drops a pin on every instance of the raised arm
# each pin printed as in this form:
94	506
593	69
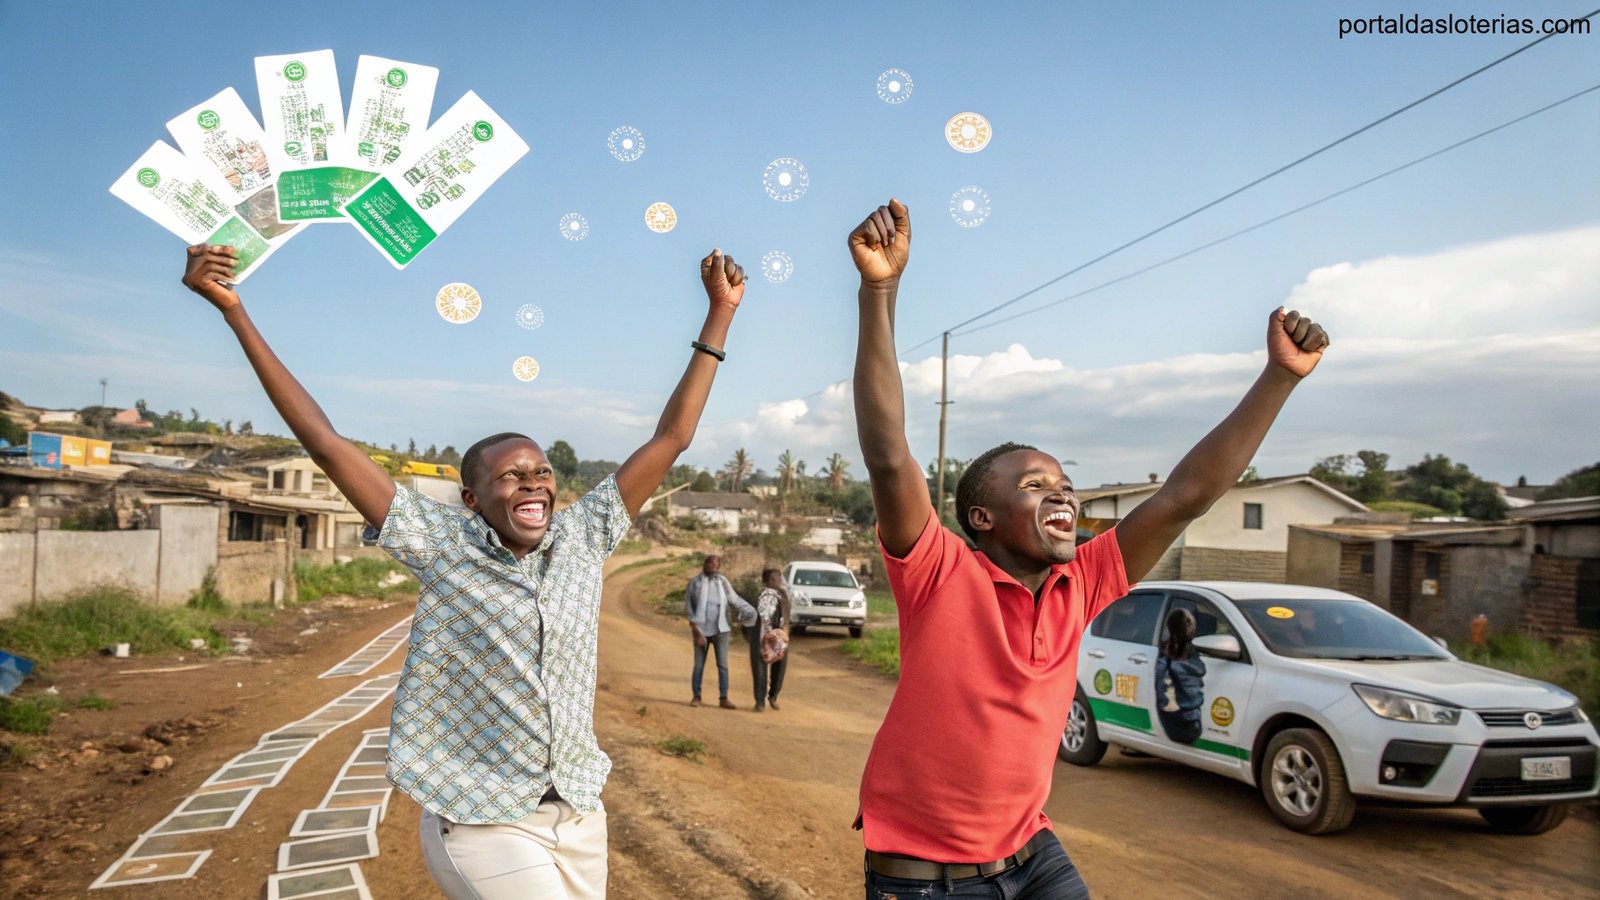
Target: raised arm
1294	346
881	246
370	489
644	470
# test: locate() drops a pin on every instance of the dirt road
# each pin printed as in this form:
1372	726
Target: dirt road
765	813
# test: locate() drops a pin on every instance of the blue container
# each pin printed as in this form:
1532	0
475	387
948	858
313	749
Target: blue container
44	449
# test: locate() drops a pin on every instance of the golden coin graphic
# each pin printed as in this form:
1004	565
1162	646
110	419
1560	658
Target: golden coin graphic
526	368
661	218
968	132
458	302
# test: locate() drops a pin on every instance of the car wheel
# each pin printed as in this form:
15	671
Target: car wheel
855	631
1524	819
1080	740
1303	782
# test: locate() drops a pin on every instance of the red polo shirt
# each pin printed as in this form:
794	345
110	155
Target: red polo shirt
960	769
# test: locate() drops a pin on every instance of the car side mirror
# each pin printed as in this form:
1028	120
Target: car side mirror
1222	646
1441	642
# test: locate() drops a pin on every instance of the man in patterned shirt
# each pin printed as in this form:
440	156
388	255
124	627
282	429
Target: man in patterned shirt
493	730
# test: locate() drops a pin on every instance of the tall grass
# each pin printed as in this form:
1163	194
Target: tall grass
100	616
878	647
356	578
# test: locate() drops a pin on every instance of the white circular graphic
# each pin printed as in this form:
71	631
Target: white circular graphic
458	303
894	86
776	266
968	132
574	227
660	217
626	143
526	368
969	206
785	179
530	316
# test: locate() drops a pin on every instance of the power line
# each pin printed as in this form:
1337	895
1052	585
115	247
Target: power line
1281	216
1239	190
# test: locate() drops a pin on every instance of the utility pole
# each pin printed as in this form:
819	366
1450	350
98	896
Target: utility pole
944	404
102	392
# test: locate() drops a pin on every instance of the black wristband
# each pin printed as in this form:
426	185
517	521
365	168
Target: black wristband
708	350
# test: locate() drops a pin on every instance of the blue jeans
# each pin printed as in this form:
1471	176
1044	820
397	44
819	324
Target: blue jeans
1047	875
719	644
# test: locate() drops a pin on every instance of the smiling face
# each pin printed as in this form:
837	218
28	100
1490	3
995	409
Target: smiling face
1029	510
515	493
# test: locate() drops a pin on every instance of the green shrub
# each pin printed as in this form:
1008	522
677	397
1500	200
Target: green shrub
93	700
682	746
356	578
101	616
31	715
1573	665
207	597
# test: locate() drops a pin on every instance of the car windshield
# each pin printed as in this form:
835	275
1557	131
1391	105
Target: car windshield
1335	629
823	578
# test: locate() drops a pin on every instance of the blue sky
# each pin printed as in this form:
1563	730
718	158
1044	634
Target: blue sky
1109	119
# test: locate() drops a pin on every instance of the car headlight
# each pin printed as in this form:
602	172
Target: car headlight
1582	716
858	601
1403	707
800	599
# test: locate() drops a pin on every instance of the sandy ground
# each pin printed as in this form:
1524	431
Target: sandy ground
765	812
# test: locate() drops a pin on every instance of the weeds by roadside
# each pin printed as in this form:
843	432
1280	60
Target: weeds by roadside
878	647
682	746
358	578
93	700
29	715
101	616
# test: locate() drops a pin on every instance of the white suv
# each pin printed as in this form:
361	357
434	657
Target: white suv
1320	698
825	593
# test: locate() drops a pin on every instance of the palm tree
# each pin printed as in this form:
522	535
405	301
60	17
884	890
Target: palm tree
738	468
836	466
786	472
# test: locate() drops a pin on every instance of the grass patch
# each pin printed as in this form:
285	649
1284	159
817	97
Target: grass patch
16	754
356	578
100	616
632	546
1571	665
93	700
643	564
683	747
879	647
880	607
31	715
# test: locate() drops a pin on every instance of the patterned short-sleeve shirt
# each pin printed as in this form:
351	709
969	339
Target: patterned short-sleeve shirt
496	698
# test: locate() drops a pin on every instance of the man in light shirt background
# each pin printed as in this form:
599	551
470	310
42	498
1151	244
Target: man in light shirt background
706	603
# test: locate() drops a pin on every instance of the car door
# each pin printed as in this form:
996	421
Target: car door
1223	745
1118	665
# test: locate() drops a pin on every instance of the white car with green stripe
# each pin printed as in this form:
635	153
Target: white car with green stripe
1321	698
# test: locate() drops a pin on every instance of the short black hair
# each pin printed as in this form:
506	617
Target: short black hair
472	462
973	488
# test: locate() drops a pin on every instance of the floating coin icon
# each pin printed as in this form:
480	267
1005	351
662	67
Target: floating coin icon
785	179
626	143
969	206
661	217
458	303
526	368
530	316
968	132
776	266
574	227
894	86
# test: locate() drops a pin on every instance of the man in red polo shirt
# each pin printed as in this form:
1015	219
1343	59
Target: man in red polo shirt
955	786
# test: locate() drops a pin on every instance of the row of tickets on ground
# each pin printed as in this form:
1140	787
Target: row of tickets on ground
381	168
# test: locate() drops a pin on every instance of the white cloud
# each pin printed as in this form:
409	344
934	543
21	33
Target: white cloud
1489	354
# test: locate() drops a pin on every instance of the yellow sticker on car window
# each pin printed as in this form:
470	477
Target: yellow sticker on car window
1280	612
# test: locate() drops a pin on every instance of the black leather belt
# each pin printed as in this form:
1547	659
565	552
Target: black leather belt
894	865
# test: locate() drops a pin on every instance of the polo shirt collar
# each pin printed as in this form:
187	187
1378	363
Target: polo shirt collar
488	538
1001	576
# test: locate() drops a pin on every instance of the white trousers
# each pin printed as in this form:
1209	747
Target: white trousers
555	853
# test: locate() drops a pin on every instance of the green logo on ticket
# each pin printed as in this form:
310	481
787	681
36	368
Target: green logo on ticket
396	78
292	148
482	130
208	120
148	177
295	71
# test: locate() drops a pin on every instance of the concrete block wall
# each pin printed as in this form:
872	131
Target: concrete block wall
1214	564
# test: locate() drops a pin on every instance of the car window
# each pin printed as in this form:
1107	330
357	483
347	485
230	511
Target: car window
1207	618
1133	618
823	578
1335	629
